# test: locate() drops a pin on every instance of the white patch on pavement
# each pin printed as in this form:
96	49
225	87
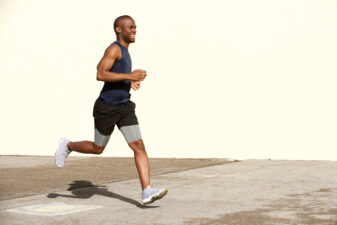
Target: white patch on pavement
52	209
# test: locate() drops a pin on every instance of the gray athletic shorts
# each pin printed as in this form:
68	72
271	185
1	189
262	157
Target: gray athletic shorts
106	116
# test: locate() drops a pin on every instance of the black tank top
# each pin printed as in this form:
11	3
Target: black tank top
117	93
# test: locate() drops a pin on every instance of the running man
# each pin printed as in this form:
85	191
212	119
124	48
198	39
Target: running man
114	107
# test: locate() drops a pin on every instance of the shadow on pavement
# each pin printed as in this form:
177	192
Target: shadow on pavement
85	189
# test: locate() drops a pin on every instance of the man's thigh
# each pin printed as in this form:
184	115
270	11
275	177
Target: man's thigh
128	124
105	118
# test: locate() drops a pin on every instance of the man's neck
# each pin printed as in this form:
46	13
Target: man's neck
122	42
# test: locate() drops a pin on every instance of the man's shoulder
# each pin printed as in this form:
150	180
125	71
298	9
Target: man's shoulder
114	50
114	46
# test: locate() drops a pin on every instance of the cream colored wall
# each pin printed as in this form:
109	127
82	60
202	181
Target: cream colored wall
232	79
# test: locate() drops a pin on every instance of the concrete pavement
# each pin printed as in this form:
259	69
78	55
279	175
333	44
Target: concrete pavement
252	192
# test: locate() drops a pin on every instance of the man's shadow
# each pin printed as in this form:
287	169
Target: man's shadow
85	189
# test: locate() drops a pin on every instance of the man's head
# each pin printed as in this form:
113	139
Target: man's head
125	28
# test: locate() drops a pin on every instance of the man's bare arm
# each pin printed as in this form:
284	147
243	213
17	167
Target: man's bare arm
111	54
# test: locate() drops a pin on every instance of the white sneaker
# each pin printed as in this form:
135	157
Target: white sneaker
150	194
62	152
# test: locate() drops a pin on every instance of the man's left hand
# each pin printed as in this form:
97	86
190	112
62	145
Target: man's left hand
135	85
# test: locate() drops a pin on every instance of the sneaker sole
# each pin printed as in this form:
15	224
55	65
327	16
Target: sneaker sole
156	197
58	166
60	142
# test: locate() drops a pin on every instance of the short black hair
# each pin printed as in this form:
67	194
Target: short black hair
118	19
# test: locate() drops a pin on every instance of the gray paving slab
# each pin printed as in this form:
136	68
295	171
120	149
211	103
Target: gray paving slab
249	192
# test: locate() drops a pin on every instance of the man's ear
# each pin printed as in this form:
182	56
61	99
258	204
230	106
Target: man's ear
118	30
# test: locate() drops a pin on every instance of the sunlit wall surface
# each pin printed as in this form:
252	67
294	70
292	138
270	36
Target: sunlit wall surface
231	79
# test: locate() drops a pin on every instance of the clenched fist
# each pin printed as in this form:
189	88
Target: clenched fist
135	85
138	75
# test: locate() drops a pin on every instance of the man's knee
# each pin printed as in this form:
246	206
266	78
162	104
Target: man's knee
98	149
137	145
